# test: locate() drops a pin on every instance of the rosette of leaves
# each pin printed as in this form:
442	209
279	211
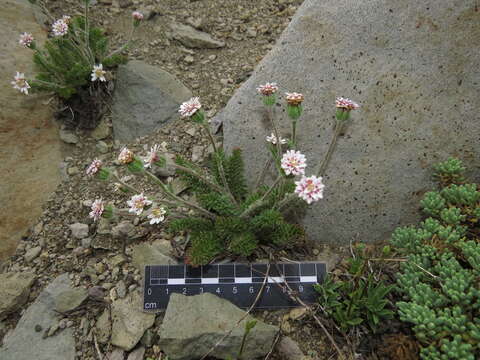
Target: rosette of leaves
440	281
235	230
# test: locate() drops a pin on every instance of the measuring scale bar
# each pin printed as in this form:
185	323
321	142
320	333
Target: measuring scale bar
238	283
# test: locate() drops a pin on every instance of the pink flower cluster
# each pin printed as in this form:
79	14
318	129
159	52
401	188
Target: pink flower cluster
20	83
137	203
60	27
310	188
26	39
294	163
346	104
294	99
152	156
126	156
94	167
190	107
137	15
97	209
268	89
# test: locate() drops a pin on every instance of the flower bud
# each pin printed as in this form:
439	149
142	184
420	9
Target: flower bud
103	174
198	117
294	111
135	166
108	212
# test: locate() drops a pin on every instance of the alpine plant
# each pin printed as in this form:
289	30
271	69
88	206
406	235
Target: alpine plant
226	218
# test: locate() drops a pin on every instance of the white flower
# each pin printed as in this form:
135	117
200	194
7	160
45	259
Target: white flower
346	104
125	156
190	107
26	39
152	156
273	139
98	73
94	167
294	162
268	89
157	215
137	15
20	83
66	19
294	99
97	209
310	188
137	203
60	27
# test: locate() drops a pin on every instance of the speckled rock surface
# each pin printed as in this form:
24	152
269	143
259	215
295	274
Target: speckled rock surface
413	66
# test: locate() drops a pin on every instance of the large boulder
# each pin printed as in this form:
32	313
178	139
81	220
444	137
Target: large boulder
27	342
413	67
194	324
30	148
145	98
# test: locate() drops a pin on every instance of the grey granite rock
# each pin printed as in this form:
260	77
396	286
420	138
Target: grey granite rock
145	98
194	324
24	343
14	288
413	67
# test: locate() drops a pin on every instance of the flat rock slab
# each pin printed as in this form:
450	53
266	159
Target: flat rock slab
30	148
27	344
413	67
70	299
129	322
194	324
145	98
193	38
155	253
14	291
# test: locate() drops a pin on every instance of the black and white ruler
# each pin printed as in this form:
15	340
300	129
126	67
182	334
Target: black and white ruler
238	283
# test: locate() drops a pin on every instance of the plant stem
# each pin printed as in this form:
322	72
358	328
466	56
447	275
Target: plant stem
262	175
294	133
271	117
179	199
87	31
328	155
120	49
219	162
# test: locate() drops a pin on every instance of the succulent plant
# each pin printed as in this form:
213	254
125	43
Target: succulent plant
440	281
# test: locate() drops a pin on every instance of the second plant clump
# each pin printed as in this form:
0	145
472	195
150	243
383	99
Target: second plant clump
226	218
440	280
74	60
